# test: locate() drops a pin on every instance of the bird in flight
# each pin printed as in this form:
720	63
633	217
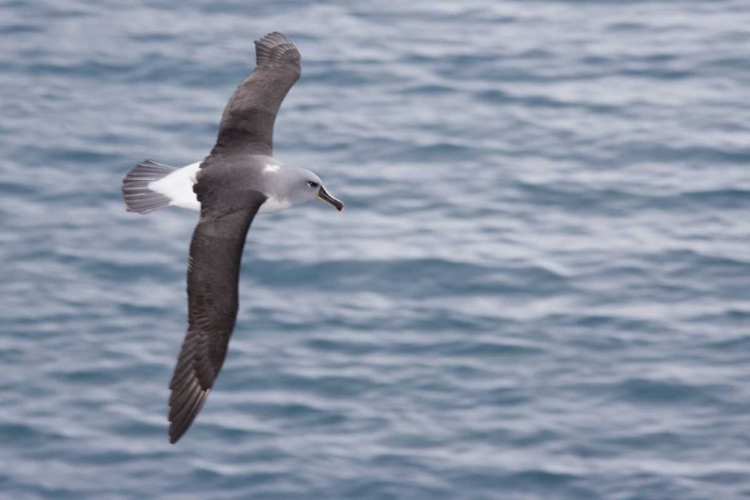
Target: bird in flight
237	180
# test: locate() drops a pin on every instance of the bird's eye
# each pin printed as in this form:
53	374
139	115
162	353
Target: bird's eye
312	184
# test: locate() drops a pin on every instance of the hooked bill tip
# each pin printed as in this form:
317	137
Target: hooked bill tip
325	196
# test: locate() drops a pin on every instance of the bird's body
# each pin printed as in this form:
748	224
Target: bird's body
237	180
177	185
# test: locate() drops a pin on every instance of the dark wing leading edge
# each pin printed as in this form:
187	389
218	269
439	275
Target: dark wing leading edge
213	277
247	121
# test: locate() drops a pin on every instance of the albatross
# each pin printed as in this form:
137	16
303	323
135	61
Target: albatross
237	180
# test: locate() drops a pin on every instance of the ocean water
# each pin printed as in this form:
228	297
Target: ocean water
540	288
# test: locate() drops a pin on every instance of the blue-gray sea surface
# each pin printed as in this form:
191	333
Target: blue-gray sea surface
540	288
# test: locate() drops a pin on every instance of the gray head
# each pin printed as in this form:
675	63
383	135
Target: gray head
289	185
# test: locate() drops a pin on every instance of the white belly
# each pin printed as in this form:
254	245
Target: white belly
273	205
178	187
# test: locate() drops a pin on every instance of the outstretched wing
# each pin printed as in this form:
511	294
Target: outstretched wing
212	280
248	118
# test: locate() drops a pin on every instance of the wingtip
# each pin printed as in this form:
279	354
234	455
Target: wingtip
175	434
272	46
275	38
184	416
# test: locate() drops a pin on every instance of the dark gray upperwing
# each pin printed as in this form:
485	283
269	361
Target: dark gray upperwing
248	119
212	280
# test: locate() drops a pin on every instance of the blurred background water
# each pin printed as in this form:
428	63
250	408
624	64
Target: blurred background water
539	289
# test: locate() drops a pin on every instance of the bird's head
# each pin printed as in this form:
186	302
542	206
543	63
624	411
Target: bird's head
299	185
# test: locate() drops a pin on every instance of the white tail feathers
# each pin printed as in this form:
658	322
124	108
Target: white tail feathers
135	191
